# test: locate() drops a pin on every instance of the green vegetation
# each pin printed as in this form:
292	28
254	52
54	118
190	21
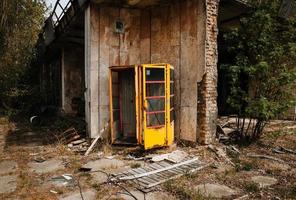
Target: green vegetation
20	23
262	73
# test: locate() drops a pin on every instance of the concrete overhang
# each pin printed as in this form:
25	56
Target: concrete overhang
132	3
230	11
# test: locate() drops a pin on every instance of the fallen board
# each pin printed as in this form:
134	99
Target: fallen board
159	172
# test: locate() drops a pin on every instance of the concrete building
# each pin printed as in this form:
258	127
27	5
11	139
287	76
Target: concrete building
83	38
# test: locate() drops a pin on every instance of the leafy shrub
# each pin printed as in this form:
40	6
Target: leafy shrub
262	75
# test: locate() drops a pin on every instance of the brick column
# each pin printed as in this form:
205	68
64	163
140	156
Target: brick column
207	88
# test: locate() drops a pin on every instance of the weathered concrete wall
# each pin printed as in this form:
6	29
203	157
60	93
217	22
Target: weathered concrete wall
72	77
50	81
174	34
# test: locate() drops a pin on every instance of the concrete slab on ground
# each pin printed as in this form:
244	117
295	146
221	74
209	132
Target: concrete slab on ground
264	181
46	166
8	184
87	195
150	196
215	190
98	177
104	163
7	166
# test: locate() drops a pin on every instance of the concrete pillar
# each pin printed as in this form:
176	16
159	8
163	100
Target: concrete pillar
92	70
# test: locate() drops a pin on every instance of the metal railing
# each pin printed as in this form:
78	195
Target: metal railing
59	11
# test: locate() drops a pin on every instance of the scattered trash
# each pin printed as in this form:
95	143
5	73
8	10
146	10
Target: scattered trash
243	197
76	142
73	140
64	180
131	157
100	154
39	159
226	135
277	150
53	191
84	169
265	157
287	150
70	145
35	120
67	177
175	156
110	157
233	149
220	153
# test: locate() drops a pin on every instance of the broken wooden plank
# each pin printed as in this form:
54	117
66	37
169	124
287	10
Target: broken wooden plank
96	140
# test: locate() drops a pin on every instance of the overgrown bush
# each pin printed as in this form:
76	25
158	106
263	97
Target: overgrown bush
263	73
20	23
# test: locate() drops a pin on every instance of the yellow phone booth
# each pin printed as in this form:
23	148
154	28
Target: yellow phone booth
141	105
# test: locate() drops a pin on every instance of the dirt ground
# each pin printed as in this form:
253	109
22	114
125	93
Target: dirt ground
24	145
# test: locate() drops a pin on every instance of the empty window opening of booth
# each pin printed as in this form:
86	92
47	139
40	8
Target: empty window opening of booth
123	106
155	97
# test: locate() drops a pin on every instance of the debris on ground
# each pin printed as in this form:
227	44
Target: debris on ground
74	141
79	146
135	158
96	139
227	135
277	150
233	149
159	172
41	168
63	180
220	153
100	154
174	157
282	150
53	191
246	196
69	136
39	159
265	157
110	157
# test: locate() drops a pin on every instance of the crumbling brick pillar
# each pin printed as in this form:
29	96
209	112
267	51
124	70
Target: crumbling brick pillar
207	89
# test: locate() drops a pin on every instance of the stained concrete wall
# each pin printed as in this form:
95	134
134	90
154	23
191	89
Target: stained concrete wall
92	70
72	77
175	34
